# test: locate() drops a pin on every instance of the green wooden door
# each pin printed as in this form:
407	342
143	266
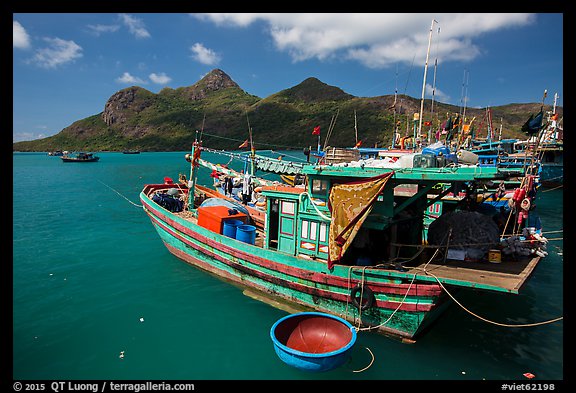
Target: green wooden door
287	227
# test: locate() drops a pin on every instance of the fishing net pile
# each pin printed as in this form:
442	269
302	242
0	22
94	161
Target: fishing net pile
473	232
530	242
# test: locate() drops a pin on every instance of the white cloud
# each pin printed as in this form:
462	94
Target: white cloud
204	55
439	95
130	79
100	29
20	38
27	136
375	40
135	26
160	78
58	52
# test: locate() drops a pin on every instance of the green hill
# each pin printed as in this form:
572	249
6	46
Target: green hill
135	118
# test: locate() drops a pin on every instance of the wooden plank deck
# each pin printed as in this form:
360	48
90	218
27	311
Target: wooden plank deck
506	276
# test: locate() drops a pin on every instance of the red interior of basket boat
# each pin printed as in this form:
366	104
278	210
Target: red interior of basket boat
313	334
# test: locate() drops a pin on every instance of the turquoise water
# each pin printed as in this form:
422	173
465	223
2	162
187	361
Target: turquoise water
91	279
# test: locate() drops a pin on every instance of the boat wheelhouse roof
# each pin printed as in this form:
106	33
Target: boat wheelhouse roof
443	174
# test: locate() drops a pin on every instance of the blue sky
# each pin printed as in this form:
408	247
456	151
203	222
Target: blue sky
66	66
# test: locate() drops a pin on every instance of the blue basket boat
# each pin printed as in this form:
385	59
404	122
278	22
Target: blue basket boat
313	341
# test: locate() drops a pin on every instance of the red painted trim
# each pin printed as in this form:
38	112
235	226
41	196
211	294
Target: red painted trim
283	282
409	307
430	290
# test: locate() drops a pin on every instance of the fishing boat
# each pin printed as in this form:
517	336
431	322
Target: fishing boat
550	149
80	157
351	243
546	142
131	152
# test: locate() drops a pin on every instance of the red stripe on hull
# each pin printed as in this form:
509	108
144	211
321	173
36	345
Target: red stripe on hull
429	290
267	277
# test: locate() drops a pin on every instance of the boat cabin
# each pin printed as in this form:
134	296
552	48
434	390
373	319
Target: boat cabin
298	221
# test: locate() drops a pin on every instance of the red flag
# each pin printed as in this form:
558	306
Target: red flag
316	130
244	144
358	144
554	117
427	123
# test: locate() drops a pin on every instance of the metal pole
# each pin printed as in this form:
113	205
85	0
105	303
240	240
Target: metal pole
424	81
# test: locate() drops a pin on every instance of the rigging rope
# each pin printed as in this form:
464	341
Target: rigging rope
135	204
445	290
487	320
255	143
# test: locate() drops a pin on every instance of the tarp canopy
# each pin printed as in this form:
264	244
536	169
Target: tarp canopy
534	123
350	204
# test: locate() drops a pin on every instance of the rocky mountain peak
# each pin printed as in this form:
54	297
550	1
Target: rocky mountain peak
123	102
312	89
214	81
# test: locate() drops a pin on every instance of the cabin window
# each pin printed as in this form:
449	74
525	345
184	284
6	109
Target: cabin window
288	208
313	238
313	230
323	229
319	187
304	232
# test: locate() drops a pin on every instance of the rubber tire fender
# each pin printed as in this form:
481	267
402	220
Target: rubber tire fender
367	297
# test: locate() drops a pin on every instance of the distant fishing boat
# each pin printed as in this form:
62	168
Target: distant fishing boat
352	242
131	152
80	157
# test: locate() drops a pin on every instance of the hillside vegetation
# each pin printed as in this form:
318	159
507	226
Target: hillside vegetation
216	107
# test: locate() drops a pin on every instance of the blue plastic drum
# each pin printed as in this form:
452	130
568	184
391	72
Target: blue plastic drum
246	233
229	227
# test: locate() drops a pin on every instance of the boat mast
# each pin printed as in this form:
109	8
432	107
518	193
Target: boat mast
195	155
395	133
355	128
433	93
424	81
252	150
552	120
464	101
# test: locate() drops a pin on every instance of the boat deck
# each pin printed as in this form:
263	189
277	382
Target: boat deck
506	276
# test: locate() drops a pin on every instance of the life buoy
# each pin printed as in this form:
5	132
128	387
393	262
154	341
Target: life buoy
367	297
525	204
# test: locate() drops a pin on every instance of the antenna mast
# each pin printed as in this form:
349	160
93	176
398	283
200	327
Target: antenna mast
424	81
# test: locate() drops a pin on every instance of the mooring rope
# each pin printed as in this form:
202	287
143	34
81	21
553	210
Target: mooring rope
487	320
135	204
368	366
552	189
447	292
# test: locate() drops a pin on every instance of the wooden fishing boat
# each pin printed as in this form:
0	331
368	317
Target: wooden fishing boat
350	244
80	157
